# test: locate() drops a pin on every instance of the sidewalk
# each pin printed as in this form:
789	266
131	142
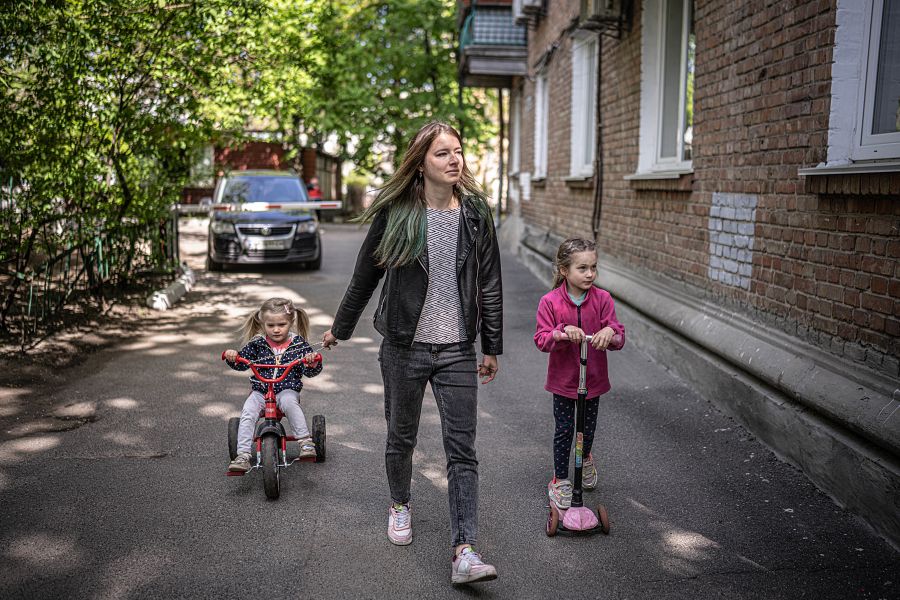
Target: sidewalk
135	503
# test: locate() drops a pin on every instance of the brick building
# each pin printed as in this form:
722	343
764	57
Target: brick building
216	160
738	164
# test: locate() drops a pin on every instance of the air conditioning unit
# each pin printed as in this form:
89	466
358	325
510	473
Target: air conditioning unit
601	11
525	10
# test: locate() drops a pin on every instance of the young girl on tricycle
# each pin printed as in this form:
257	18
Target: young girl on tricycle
275	334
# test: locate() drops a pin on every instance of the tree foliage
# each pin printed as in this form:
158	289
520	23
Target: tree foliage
367	73
102	102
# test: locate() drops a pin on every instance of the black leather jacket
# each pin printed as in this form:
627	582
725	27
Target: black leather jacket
403	293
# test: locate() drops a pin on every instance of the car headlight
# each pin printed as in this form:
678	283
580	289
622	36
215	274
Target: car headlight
306	227
221	227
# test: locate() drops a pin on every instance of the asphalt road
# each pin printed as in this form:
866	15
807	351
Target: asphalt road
136	504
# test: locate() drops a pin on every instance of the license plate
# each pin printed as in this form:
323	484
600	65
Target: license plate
256	245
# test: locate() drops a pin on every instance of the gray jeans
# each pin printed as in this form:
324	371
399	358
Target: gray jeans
289	403
451	370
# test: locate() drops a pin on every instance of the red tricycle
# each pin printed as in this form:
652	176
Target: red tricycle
270	439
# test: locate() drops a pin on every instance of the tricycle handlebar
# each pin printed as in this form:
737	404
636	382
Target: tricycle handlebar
255	368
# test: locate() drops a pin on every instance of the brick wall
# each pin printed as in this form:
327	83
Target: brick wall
822	263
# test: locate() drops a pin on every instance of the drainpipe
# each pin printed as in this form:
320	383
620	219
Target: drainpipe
502	136
598	151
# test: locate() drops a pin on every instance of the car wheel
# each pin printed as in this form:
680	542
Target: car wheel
315	265
212	265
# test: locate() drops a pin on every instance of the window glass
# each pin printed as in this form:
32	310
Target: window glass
886	117
264	189
674	17
688	132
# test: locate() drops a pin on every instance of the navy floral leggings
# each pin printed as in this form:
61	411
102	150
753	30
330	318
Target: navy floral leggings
564	415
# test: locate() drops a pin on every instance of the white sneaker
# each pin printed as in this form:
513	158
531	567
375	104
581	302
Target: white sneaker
400	524
241	463
589	473
560	493
469	568
306	447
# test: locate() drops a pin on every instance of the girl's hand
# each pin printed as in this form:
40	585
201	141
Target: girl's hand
576	334
311	359
230	355
601	339
488	368
328	340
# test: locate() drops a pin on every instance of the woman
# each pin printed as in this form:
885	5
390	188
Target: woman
432	235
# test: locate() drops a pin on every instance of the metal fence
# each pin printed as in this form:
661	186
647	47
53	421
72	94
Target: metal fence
86	265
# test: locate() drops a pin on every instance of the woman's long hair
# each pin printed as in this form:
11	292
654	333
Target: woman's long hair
564	257
404	198
253	324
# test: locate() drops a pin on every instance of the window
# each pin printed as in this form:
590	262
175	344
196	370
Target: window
541	105
515	132
864	124
880	126
667	87
584	106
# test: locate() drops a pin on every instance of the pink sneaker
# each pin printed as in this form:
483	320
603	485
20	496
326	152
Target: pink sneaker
469	568
400	525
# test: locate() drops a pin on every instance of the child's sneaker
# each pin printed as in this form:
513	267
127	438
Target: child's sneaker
241	463
400	524
469	568
589	473
307	447
560	492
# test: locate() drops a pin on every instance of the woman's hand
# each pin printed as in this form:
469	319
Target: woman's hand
575	334
601	339
230	355
488	368
328	340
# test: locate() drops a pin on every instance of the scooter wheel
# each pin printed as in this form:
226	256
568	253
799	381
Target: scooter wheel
552	521
604	518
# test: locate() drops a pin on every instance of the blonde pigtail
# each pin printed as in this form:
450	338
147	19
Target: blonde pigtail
302	321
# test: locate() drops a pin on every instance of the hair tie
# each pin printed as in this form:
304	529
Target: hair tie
287	309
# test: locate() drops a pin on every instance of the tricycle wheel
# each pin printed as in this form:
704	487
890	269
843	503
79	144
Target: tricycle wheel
233	424
270	448
604	518
318	436
552	521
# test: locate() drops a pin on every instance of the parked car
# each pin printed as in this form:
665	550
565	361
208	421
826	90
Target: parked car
268	229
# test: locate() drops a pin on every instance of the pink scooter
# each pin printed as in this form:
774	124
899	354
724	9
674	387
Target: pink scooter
578	519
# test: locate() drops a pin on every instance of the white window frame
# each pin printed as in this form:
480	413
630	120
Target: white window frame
868	145
650	163
515	132
584	105
541	108
851	103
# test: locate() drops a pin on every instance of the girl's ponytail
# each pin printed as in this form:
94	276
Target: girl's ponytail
302	321
251	327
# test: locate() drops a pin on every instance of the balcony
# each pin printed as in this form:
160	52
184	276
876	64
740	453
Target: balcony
492	48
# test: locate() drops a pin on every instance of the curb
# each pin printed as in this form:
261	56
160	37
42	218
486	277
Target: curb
165	298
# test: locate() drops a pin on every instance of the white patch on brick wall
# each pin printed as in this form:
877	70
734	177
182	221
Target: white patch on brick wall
732	218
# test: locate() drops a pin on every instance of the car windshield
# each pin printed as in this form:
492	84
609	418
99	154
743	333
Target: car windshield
264	189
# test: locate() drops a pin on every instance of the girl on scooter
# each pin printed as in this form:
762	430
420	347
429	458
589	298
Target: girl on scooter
274	334
572	309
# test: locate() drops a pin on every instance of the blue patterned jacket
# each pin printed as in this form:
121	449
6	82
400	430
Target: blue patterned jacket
258	350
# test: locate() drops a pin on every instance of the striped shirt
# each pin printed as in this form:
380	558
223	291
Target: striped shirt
441	321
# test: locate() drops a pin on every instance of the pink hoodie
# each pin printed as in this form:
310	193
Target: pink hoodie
555	311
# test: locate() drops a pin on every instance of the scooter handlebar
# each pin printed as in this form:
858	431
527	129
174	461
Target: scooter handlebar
615	342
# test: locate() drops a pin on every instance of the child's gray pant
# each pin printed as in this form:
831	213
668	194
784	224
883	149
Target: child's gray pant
289	403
